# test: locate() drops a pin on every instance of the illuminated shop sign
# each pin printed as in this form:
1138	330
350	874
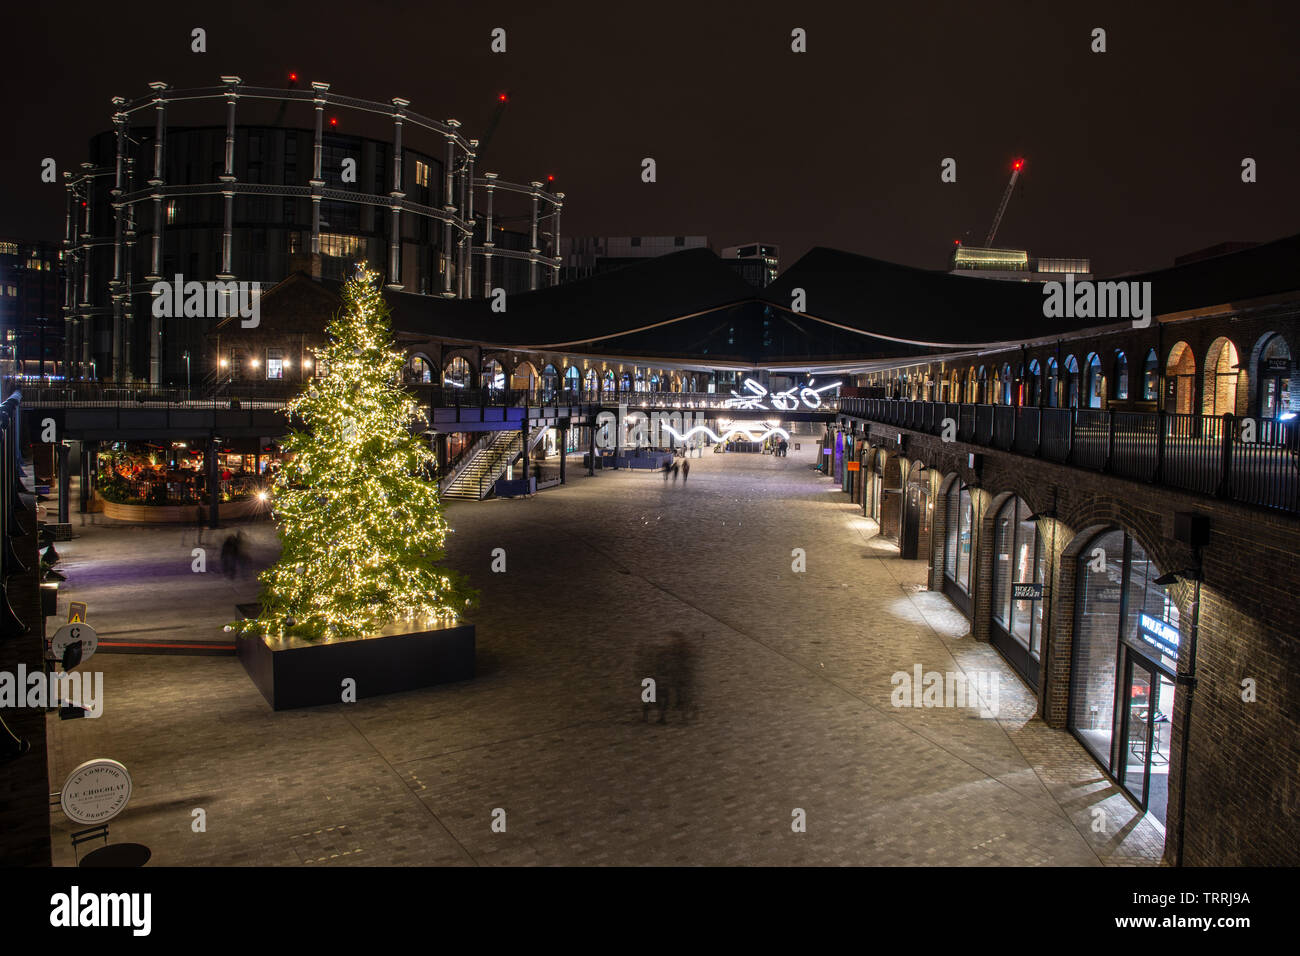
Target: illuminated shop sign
786	401
1159	634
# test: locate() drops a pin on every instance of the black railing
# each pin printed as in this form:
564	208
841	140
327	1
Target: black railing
1252	461
107	394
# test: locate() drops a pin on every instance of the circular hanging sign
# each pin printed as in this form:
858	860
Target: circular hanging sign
70	634
96	792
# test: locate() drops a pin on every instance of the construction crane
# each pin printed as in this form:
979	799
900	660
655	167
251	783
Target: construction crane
502	99
1018	165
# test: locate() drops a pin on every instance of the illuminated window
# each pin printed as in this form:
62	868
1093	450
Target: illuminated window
960	525
332	244
1150	376
171	212
1017	559
421	173
275	363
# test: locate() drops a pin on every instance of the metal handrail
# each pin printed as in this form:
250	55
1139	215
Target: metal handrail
1251	461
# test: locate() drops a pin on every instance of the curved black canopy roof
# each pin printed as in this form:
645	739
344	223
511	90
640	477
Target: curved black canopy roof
692	306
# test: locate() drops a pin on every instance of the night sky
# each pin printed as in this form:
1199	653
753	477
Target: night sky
1133	156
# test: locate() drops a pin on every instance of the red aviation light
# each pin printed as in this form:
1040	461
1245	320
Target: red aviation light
1018	164
293	77
334	121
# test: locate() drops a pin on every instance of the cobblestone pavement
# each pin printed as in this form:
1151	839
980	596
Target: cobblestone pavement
790	675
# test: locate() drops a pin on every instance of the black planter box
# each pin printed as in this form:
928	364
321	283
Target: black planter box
296	673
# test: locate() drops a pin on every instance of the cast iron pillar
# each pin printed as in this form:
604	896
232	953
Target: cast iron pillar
65	481
214	484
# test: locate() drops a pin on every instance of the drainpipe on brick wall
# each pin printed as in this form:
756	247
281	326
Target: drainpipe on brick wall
1188	680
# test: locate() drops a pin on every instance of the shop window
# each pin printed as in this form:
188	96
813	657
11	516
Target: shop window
275	363
1125	647
421	369
959	537
1096	382
457	373
1018	558
1151	377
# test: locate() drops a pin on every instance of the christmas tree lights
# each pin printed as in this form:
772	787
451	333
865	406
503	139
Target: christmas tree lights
360	523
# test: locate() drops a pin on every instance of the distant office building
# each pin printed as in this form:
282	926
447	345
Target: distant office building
592	255
755	261
30	308
1016	265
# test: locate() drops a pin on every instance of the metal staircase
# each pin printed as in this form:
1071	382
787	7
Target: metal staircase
487	461
482	467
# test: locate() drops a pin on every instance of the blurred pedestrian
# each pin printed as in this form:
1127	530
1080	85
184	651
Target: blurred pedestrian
675	466
229	561
686	471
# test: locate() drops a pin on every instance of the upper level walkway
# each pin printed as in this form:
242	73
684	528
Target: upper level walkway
95	410
1254	462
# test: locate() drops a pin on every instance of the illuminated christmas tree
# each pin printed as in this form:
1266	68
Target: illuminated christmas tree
361	524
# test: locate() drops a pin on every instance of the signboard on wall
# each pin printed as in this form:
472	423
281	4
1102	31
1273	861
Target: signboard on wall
1161	635
1026	592
853	466
70	634
95	792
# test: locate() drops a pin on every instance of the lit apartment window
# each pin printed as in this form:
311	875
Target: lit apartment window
421	173
171	212
11	290
332	244
275	363
8	248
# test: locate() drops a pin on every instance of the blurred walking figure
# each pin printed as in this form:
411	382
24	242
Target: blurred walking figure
666	470
234	555
670	662
228	561
675	466
686	471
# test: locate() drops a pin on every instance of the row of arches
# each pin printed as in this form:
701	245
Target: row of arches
549	381
1120	627
1001	564
1221	382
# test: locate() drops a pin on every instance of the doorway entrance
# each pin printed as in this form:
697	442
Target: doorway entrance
1148	703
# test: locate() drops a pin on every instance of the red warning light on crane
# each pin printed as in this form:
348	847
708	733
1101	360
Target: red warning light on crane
1018	164
293	77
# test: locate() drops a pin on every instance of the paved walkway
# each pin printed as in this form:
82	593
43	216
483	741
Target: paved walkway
791	674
